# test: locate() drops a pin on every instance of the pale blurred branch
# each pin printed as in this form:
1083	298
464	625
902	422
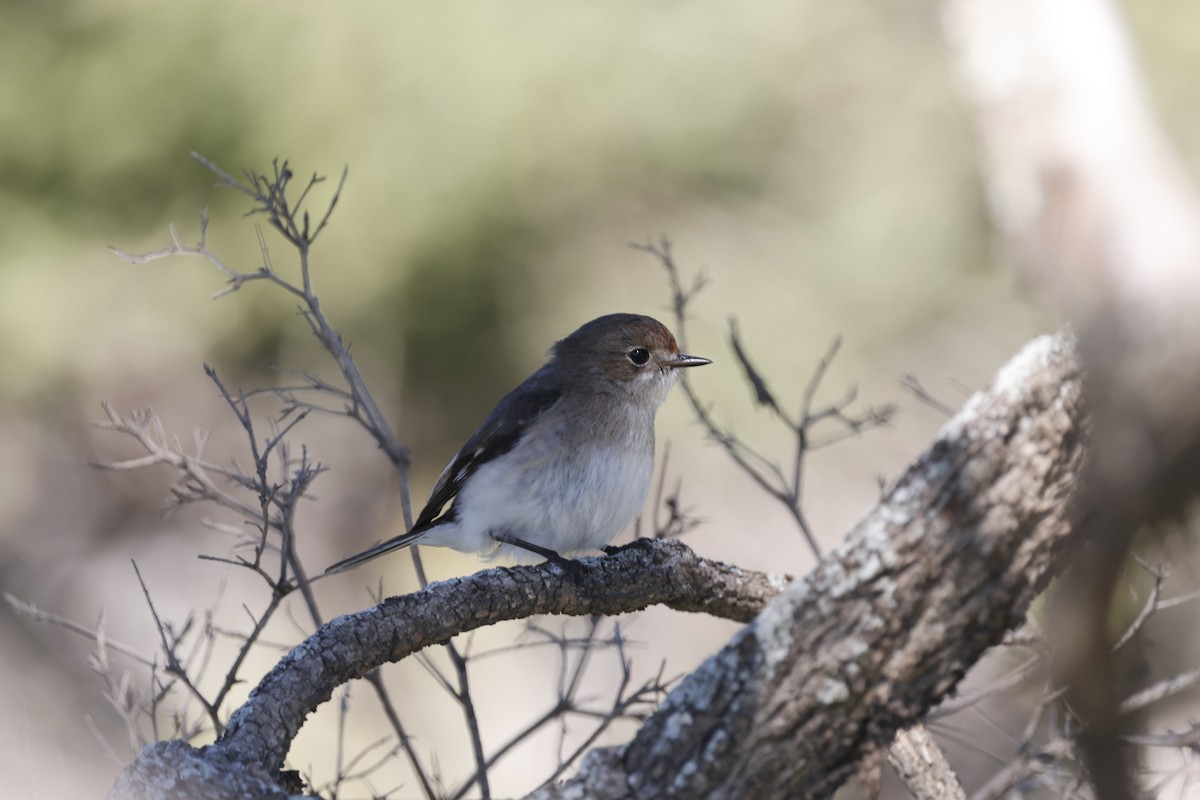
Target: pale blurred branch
1096	214
1029	763
94	634
195	483
119	692
1159	691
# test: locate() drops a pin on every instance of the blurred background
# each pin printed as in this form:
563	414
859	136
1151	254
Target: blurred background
811	159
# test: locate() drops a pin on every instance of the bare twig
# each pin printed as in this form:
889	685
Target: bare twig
173	667
911	383
764	472
94	634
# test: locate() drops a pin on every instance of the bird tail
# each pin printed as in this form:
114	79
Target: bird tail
395	543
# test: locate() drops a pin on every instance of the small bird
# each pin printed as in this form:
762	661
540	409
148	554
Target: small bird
564	461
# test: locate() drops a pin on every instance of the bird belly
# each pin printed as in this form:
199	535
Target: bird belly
577	501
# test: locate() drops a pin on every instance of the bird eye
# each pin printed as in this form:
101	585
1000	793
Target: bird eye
639	355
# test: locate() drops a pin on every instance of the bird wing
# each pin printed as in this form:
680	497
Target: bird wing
498	434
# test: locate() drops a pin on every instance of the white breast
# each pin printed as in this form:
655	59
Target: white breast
618	481
572	500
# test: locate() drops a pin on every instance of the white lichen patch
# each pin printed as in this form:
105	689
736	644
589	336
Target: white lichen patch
838	582
855	647
677	723
870	567
848	653
832	691
679	784
885	591
773	628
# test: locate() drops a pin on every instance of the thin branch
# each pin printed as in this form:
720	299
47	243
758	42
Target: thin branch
1160	690
173	667
911	383
93	634
463	695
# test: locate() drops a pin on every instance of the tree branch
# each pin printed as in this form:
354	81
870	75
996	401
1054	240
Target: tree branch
923	767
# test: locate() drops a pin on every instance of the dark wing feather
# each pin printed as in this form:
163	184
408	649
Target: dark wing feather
498	434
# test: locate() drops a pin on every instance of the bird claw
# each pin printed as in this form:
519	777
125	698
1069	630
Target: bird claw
641	542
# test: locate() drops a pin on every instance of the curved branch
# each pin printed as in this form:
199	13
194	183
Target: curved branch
645	573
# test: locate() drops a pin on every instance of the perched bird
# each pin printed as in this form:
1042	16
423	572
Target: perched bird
564	461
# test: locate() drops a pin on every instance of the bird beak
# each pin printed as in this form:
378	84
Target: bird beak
681	360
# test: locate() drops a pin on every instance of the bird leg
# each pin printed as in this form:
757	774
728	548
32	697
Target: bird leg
544	552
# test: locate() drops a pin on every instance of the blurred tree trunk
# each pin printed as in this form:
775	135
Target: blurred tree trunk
1095	213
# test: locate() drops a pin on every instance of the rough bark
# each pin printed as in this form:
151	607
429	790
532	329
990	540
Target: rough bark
826	675
174	770
923	767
